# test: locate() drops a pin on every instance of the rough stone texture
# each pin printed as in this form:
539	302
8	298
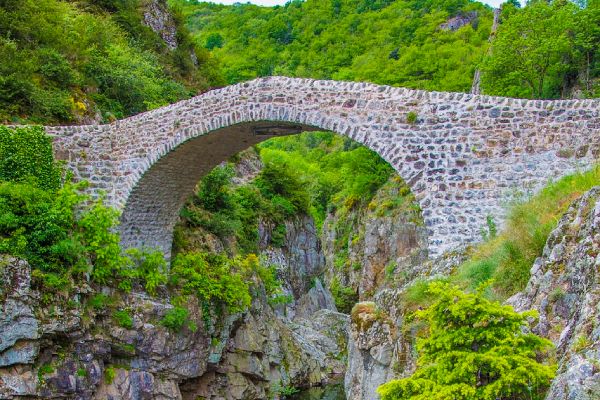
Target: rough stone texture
370	352
18	325
160	20
385	248
462	157
565	289
459	21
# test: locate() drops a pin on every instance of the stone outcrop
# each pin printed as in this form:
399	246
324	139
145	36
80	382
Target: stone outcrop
565	289
461	154
161	21
76	350
386	248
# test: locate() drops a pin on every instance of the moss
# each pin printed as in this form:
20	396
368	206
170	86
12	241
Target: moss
123	319
365	314
411	118
109	375
45	369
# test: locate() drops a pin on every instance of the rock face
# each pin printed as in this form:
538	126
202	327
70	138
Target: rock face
386	247
565	289
81	352
160	20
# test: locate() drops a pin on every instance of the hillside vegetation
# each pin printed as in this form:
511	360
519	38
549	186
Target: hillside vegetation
544	50
91	60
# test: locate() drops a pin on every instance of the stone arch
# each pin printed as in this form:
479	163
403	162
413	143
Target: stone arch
461	155
152	208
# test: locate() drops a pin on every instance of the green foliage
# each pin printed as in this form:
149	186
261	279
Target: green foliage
99	301
545	50
388	42
109	374
412	117
213	194
123	319
284	390
147	266
215	279
312	173
65	61
345	297
175	318
475	349
26	156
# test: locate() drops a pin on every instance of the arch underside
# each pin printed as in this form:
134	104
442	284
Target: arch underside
152	209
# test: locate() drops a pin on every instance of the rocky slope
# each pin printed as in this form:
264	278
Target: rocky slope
373	252
80	350
565	289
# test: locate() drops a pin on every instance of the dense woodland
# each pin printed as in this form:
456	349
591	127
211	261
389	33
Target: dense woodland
91	60
545	49
97	60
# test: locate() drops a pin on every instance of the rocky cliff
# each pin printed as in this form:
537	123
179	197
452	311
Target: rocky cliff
82	350
565	289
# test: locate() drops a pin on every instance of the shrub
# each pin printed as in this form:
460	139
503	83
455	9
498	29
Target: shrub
150	267
99	302
123	319
475	349
345	297
214	193
175	319
214	279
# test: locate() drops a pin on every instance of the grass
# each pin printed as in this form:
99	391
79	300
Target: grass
508	257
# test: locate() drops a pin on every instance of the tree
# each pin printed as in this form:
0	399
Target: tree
477	350
531	52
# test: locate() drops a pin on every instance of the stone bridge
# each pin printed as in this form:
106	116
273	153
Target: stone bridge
463	155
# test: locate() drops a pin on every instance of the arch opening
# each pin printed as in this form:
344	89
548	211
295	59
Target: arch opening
153	207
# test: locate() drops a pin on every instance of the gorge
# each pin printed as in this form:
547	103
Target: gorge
200	201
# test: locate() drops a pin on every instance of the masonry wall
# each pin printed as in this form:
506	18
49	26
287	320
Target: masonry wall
463	156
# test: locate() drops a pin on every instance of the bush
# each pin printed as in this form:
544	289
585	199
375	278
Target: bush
214	193
175	319
214	279
123	319
149	267
475	349
345	297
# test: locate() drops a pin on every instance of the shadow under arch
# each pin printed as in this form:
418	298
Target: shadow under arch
152	209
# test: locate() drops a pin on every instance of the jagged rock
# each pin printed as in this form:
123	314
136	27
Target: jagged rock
386	249
18	324
565	289
160	20
459	21
370	351
317	298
